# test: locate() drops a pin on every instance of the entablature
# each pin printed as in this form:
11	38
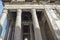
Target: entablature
32	1
26	6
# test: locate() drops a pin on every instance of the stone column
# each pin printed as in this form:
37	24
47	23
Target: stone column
51	17
18	26
36	25
3	17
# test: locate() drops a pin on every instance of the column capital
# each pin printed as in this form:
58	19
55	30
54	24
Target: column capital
19	10
33	10
5	11
13	0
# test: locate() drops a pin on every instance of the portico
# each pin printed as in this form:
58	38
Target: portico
31	21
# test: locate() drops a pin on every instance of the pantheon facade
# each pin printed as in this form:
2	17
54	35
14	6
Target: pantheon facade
30	20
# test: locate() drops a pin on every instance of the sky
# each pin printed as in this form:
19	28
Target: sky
4	26
1	7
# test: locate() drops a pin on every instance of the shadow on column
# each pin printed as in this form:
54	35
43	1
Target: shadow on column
45	30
